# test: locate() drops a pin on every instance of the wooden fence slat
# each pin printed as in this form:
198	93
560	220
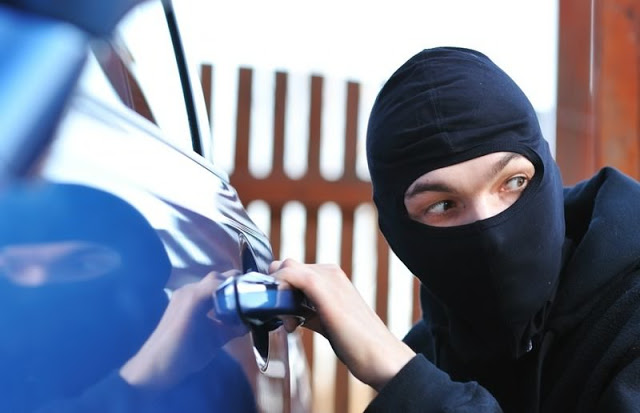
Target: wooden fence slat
618	97
310	255
575	128
351	131
125	84
341	384
346	244
598	115
279	116
206	80
315	127
341	401
416	312
382	277
243	121
307	190
275	229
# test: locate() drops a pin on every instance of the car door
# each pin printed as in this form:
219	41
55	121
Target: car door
127	152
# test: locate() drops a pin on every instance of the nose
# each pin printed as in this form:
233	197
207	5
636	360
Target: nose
485	207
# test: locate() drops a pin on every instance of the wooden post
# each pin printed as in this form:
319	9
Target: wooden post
598	118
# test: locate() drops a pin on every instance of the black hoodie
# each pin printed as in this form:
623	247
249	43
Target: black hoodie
520	313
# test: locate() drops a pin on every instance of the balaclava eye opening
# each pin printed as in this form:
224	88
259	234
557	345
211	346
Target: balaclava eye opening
65	336
495	277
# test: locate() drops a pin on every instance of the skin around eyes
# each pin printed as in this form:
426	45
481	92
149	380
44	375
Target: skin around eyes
469	191
508	194
56	262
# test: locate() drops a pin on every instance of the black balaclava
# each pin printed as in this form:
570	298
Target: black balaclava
496	277
59	338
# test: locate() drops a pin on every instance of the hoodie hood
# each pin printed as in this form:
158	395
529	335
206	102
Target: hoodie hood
602	220
496	277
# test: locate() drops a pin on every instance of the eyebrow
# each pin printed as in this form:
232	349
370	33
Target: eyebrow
442	187
426	187
501	164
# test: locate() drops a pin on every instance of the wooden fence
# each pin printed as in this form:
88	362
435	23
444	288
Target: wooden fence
598	124
312	190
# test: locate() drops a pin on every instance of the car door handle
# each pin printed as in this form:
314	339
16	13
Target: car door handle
260	300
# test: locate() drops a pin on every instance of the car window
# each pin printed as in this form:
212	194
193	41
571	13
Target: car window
140	65
181	15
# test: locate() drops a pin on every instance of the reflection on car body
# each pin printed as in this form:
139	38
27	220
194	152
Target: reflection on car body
107	206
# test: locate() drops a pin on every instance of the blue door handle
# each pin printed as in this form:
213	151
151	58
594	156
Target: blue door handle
260	300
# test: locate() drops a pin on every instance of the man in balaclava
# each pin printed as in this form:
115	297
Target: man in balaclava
538	315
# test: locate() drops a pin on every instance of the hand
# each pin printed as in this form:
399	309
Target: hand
356	333
184	341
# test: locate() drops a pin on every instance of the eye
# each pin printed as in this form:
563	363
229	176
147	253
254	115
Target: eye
439	207
84	263
517	183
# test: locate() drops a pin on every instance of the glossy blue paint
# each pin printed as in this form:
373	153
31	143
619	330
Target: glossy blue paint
102	217
97	17
40	60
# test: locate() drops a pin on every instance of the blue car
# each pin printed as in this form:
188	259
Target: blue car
110	209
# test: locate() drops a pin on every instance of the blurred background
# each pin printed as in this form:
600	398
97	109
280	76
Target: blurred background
289	85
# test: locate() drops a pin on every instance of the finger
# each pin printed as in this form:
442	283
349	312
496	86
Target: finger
290	262
290	323
291	276
209	282
315	324
301	275
286	263
199	295
274	266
